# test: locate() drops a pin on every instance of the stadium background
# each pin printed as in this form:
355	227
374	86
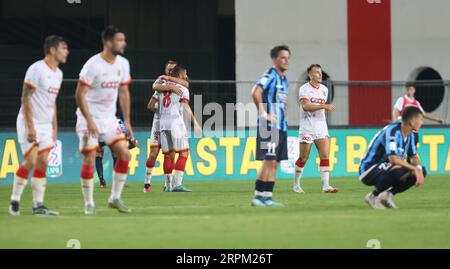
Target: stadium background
225	44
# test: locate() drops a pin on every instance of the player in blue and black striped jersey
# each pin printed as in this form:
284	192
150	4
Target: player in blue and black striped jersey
270	97
384	166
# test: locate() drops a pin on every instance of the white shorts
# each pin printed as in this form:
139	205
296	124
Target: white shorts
44	138
109	131
155	135
176	141
310	138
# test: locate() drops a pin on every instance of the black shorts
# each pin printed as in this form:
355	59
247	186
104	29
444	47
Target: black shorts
378	171
271	145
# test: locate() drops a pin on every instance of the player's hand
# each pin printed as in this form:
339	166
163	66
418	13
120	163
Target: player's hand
440	121
177	90
92	129
271	117
330	107
197	130
31	137
149	106
129	129
164	77
420	179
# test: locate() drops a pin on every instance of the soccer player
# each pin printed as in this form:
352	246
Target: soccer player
132	143
270	97
174	137
409	100
37	125
155	143
103	79
313	128
383	165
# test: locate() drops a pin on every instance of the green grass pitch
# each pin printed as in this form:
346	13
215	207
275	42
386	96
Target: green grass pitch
218	215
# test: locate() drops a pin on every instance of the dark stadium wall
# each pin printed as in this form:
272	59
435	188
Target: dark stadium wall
198	33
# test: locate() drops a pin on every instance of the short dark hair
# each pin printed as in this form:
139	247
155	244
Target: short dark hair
274	52
170	62
409	84
177	70
52	41
109	33
312	66
410	112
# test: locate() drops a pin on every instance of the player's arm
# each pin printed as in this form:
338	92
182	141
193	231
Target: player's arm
124	100
308	106
415	166
432	118
80	97
257	99
394	156
152	103
167	88
55	123
176	80
27	92
395	114
187	109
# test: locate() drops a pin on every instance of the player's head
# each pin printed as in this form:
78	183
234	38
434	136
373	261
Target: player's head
114	40
413	117
179	71
315	72
56	47
410	89
280	57
170	64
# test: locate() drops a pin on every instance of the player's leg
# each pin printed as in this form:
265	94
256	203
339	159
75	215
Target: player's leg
150	164
87	179
304	151
272	166
407	180
181	145
281	153
39	183
167	148
263	174
179	171
120	149
155	146
99	166
323	147
168	166
21	176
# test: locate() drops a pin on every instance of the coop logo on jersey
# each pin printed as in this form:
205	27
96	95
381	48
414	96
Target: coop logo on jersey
54	168
110	85
288	166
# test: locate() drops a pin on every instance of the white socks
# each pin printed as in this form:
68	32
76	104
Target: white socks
325	176
87	186
148	175
19	185
118	182
179	177
298	175
168	181
38	186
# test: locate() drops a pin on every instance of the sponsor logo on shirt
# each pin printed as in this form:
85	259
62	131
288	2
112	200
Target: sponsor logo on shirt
53	90
110	85
320	101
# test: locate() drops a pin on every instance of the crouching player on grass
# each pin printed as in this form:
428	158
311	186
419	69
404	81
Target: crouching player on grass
384	166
